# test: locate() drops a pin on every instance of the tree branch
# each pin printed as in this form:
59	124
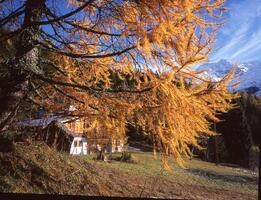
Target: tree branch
67	95
91	30
66	15
12	15
74	55
87	88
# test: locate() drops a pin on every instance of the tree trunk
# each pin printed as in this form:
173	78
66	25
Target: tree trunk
154	148
250	145
167	151
216	146
14	85
100	155
207	151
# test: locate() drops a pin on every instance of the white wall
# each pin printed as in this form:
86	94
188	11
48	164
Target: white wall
115	148
79	149
83	149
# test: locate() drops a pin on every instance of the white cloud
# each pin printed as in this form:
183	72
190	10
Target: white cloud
251	46
240	38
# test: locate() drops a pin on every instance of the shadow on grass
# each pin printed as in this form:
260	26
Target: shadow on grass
4	186
224	177
26	170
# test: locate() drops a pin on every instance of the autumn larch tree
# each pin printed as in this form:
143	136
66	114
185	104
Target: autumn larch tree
78	49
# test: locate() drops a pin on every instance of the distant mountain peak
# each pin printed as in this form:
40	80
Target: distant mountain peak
249	74
243	67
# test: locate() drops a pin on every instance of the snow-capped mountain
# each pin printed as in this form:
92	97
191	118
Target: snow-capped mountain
249	74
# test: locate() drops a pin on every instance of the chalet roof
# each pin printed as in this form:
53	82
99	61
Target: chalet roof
58	120
61	126
44	122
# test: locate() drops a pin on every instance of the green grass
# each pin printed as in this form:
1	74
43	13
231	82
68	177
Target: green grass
197	172
37	168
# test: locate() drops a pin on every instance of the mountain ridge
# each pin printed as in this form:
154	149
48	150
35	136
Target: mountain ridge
249	74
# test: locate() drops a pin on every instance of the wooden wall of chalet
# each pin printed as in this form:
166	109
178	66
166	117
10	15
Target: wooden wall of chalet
57	136
76	126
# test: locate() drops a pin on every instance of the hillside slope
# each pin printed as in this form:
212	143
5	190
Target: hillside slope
33	167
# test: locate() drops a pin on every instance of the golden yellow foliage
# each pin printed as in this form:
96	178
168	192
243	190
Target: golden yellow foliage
124	60
170	38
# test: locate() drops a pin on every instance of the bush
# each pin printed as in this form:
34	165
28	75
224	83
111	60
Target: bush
254	158
127	157
6	141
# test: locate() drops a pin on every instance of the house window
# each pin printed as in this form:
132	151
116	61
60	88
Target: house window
85	123
80	143
72	126
118	142
77	126
75	143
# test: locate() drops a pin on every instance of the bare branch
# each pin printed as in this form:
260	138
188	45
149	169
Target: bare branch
66	15
73	55
12	15
90	89
65	94
91	30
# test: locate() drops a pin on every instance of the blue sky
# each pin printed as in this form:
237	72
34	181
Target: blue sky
239	40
